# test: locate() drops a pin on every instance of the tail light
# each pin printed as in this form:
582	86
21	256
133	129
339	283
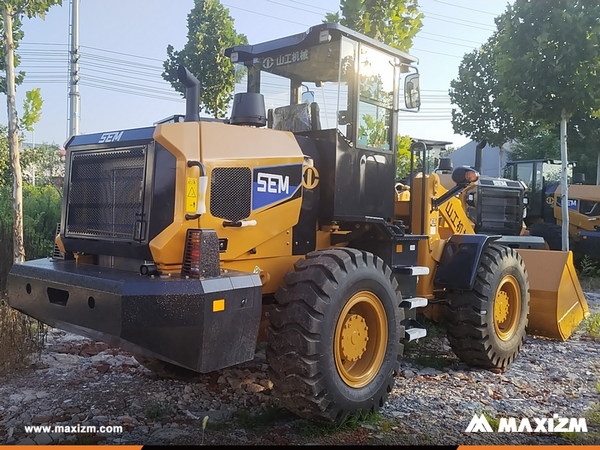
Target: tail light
201	254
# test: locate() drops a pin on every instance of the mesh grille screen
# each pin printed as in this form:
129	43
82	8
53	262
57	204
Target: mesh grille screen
106	193
499	209
230	193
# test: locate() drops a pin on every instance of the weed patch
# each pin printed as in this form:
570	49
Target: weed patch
350	423
266	417
592	325
158	411
21	339
592	415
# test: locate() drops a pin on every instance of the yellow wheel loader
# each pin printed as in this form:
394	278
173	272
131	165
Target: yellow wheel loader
188	241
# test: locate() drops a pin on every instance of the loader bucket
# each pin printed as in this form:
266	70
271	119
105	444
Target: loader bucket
557	304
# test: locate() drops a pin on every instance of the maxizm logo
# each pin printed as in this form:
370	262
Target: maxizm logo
553	424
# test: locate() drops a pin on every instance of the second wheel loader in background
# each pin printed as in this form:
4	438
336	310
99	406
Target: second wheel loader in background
188	241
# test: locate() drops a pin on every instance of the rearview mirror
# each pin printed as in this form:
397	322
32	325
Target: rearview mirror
308	97
412	95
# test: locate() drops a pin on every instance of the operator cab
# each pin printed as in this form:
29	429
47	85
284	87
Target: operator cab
329	78
339	93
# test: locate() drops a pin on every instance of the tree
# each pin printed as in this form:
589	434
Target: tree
45	164
548	63
544	144
476	92
210	31
393	22
403	157
12	12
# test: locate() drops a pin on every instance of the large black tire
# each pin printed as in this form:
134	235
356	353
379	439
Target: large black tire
551	232
164	369
486	326
330	293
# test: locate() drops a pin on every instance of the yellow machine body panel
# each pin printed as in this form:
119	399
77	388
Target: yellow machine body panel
557	304
578	220
437	224
218	145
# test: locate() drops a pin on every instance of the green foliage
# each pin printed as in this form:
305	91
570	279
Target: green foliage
589	266
46	161
5	171
375	131
158	410
494	422
476	91
541	145
592	325
41	213
266	417
393	22
349	423
210	32
548	60
32	109
403	157
18	8
592	415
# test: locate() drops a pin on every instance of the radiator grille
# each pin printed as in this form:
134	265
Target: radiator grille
230	193
500	211
106	194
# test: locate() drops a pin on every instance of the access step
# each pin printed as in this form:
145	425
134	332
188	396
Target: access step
411	270
412	303
413	330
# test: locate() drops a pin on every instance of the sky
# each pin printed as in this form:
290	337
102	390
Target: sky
123	44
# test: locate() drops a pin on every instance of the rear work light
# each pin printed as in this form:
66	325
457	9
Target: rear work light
201	254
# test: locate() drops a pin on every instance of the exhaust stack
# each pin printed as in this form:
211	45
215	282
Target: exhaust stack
192	94
478	154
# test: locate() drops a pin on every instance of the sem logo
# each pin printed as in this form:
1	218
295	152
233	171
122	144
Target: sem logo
111	137
553	424
273	183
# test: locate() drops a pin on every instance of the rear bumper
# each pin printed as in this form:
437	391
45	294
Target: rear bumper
203	325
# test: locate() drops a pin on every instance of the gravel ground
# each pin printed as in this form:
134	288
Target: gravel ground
435	397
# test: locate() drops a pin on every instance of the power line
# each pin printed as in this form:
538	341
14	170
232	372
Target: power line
453	20
464	7
265	15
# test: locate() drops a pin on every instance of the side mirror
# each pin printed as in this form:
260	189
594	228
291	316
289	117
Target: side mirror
464	175
308	97
412	94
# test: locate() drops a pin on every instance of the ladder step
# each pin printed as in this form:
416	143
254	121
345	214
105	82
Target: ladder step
413	330
412	303
412	334
411	270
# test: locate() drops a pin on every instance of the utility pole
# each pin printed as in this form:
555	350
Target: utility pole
74	71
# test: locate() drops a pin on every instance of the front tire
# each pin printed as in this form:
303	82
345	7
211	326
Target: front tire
486	326
334	340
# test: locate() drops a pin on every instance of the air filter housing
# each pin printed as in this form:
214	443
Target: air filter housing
248	109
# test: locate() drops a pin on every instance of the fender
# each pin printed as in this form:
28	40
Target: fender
460	259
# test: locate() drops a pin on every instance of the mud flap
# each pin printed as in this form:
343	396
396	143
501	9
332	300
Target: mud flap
557	304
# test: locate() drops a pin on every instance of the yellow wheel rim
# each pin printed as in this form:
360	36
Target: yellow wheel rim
360	339
507	307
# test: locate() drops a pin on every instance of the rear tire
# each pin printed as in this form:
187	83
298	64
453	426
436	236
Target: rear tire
486	326
551	232
334	340
164	369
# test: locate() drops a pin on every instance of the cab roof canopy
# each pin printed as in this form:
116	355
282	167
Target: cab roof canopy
315	35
